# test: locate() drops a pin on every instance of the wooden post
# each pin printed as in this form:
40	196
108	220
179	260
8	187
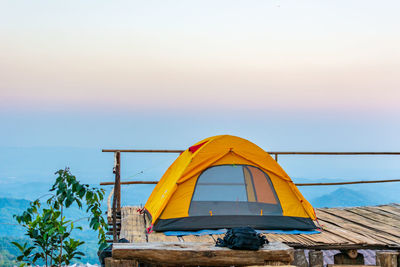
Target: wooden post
117	194
300	259
118	179
387	259
316	258
276	157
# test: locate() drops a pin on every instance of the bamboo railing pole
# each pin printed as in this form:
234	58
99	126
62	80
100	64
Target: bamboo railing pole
352	182
144	150
297	184
270	152
117	194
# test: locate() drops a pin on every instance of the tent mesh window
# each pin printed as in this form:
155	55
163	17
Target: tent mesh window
234	190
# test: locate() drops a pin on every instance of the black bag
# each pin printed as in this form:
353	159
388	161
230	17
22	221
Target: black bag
245	238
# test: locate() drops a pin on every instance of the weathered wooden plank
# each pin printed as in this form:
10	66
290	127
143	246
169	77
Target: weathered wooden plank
197	238
377	217
342	236
160	237
365	222
381	212
202	254
353	227
393	210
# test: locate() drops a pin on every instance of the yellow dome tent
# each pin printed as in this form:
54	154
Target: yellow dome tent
223	182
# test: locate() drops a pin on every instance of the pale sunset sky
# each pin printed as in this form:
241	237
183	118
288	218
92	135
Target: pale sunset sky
287	75
147	56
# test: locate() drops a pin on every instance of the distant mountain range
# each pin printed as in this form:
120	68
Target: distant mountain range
9	207
344	197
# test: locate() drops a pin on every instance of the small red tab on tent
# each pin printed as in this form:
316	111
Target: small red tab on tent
140	211
196	147
149	230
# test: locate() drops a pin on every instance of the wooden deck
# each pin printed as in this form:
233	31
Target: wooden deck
376	227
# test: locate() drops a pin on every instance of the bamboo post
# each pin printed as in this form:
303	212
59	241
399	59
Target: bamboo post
276	157
316	258
387	259
117	194
118	179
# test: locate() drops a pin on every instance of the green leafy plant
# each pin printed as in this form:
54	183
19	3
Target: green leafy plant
50	231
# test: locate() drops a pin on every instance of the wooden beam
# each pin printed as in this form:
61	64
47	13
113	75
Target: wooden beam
202	254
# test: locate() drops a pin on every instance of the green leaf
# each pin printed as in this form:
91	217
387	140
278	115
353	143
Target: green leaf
75	186
46	216
36	257
89	195
21	248
82	192
69	201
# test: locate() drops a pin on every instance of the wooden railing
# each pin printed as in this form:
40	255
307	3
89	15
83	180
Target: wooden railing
116	204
